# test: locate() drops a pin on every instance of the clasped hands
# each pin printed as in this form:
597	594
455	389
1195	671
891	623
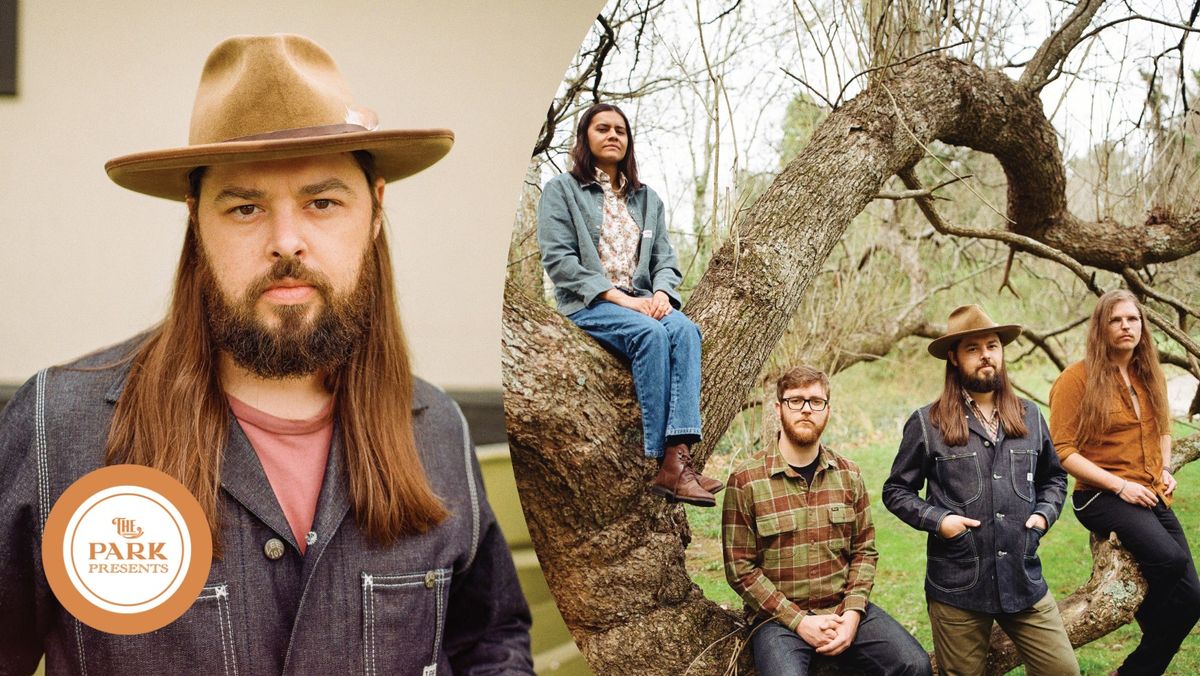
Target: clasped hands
656	306
830	634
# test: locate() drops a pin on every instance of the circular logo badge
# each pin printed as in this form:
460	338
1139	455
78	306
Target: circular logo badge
126	549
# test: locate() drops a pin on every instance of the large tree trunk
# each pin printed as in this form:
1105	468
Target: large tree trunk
613	554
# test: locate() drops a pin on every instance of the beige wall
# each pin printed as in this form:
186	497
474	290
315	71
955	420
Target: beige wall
84	263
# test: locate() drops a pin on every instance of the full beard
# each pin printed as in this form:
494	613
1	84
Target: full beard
981	384
803	436
297	346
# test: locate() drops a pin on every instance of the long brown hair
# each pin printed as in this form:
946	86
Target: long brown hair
1103	374
949	412
173	415
583	163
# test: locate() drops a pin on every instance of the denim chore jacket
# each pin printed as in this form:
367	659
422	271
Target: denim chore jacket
445	600
569	220
993	568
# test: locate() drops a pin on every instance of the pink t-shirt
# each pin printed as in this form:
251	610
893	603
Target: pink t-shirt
293	453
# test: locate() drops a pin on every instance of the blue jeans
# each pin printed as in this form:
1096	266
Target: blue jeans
881	646
665	354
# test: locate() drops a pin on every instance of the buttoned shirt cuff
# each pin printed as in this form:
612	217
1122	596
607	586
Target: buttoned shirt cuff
854	602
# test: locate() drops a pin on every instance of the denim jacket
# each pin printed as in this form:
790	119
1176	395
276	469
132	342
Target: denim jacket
569	220
993	568
444	601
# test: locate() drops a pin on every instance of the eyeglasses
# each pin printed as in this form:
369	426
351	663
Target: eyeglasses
797	403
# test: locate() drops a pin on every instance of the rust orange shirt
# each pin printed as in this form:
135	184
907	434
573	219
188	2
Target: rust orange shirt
1129	447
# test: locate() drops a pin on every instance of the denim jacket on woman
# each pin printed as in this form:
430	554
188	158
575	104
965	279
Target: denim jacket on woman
569	219
993	568
445	600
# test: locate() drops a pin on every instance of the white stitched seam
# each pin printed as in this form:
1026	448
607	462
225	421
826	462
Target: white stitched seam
366	661
470	486
79	645
223	603
43	466
221	628
439	618
372	630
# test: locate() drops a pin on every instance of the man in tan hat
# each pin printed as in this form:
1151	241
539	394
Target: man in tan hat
993	489
350	529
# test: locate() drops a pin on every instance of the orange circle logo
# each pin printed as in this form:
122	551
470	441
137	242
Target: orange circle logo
126	549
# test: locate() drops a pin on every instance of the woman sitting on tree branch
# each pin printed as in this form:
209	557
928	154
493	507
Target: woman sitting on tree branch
603	240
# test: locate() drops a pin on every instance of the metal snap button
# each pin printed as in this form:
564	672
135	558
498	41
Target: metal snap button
273	549
999	515
1001	553
430	578
996	477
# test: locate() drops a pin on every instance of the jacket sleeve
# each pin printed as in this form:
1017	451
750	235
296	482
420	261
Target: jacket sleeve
558	241
664	265
910	471
739	546
25	598
1050	480
487	620
863	556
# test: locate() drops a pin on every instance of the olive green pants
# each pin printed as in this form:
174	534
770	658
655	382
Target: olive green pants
961	639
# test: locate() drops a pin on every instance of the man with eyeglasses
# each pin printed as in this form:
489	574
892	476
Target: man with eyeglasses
994	487
800	548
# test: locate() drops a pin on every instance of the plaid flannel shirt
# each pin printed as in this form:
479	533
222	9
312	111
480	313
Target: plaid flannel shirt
791	548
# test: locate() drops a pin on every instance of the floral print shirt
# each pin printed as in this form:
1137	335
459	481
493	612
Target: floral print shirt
619	234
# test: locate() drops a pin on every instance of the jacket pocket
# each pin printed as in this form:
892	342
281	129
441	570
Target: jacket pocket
403	618
202	639
959	478
953	564
1033	564
1022	464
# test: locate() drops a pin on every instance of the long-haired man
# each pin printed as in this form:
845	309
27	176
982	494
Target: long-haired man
994	487
345	503
1111	427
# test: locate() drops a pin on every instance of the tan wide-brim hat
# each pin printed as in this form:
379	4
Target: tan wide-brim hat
275	97
971	320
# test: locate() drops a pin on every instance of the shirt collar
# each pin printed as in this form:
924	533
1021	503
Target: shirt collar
777	465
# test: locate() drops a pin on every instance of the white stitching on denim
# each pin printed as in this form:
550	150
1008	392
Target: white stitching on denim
366	580
221	628
43	465
79	645
439	617
368	625
223	604
470	487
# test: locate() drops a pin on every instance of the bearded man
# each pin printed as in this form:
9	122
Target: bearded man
799	548
994	488
350	529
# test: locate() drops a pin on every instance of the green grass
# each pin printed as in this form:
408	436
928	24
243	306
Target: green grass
872	402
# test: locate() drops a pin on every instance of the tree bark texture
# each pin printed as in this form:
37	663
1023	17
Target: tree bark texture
613	554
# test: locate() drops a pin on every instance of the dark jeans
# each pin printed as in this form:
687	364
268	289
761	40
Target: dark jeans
1155	538
881	646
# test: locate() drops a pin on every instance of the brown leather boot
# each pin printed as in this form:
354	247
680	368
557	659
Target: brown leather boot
709	484
676	480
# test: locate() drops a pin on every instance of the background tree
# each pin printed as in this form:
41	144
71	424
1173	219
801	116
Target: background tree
916	106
